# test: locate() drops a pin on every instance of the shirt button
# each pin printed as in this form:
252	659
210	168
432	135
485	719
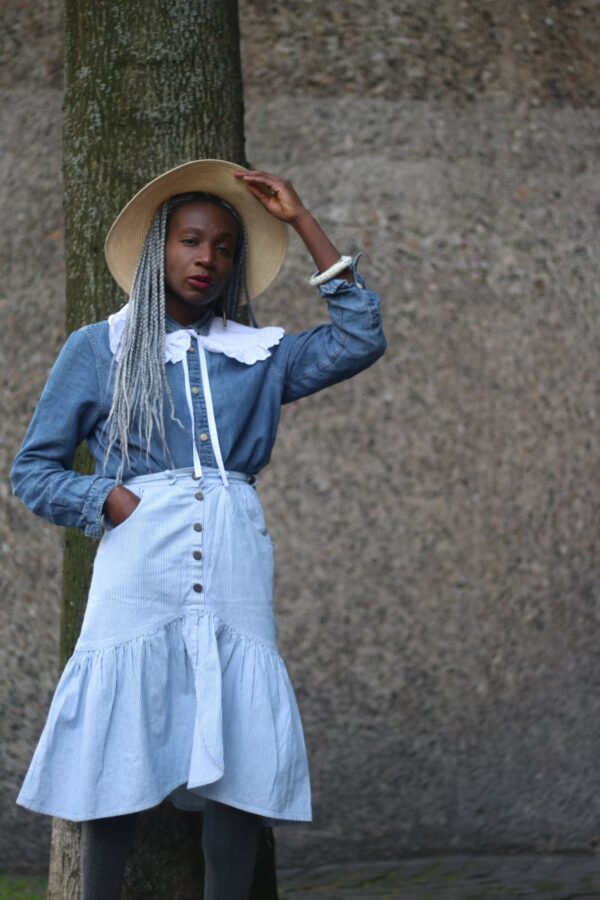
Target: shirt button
195	390
198	588
203	436
199	495
197	554
197	526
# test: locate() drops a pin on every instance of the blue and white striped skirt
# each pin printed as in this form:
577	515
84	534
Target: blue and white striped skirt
175	687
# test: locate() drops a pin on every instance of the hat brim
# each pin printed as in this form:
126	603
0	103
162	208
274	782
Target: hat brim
267	236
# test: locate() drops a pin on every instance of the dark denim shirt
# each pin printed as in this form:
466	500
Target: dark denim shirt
247	399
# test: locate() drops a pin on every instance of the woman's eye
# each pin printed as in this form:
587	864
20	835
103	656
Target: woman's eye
224	250
190	241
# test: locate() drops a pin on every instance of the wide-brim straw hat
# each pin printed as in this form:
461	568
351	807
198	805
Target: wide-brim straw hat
267	236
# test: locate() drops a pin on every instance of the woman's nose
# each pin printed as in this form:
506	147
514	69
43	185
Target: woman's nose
205	255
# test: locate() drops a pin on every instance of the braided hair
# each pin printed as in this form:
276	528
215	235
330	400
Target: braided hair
140	378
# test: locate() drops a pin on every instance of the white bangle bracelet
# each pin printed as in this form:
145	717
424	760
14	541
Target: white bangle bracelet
339	266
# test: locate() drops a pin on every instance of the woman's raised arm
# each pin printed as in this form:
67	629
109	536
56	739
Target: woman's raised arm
280	199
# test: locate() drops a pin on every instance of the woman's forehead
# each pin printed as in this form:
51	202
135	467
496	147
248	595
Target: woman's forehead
203	214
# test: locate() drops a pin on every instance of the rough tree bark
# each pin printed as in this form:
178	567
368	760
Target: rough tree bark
147	86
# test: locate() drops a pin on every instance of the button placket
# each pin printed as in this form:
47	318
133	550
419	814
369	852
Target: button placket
197	554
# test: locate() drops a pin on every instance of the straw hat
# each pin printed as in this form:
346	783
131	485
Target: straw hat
267	236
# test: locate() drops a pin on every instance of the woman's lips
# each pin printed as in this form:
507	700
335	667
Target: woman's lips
200	283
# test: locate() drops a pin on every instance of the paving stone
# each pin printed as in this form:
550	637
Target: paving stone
452	878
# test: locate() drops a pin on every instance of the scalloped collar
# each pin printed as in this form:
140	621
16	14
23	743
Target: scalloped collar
246	345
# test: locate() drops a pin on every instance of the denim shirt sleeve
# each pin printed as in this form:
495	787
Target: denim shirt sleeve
68	411
354	340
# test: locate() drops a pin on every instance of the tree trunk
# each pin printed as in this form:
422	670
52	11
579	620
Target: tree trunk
147	86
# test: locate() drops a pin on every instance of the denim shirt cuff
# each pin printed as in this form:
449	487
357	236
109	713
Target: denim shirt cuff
336	285
92	511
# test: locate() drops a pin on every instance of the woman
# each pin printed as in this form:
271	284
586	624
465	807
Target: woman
175	687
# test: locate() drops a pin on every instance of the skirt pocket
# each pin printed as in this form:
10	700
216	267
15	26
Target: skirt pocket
109	529
252	510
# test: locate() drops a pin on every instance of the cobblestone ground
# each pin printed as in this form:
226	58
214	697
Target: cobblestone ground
573	877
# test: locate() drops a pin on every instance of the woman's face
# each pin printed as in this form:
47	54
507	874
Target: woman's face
199	256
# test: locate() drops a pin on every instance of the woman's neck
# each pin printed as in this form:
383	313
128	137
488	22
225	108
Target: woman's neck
202	319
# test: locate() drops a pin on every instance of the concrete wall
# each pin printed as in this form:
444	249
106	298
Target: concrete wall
436	517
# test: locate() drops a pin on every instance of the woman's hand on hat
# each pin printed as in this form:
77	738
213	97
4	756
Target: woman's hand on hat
279	197
276	194
119	505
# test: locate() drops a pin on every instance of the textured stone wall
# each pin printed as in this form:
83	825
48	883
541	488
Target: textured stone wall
435	518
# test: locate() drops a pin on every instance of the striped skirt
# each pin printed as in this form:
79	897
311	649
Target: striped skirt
175	687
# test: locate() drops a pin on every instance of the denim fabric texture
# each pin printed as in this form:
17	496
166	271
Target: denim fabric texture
176	687
247	399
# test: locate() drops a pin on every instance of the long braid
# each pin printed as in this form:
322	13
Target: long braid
238	283
140	377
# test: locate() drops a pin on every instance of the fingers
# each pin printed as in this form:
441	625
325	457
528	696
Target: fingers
271	182
262	191
276	194
262	186
255	175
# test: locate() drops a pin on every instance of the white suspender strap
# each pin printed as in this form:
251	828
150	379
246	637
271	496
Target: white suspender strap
212	425
188	394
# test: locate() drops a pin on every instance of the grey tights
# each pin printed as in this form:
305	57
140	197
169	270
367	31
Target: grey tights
229	842
103	848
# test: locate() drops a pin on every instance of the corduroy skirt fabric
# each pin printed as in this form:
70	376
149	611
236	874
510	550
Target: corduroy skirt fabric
176	687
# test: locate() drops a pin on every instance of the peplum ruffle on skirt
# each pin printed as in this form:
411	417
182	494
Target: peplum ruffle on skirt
190	710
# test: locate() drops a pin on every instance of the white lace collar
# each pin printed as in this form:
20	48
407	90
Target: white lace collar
247	345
